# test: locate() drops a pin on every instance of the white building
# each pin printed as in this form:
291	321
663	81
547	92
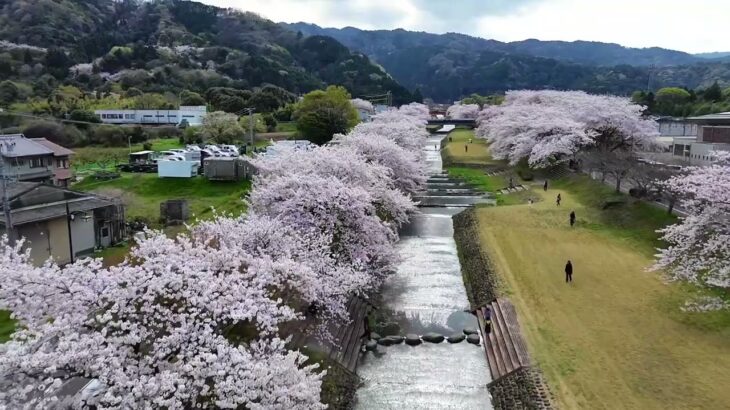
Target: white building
705	134
194	116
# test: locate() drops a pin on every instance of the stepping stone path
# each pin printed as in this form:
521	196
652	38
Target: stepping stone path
473	339
456	338
470	331
413	340
375	336
371	345
433	338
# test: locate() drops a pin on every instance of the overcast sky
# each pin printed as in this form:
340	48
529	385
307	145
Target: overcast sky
692	26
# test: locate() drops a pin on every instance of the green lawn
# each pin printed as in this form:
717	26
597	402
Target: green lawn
143	193
7	326
108	157
459	151
288	126
615	338
483	182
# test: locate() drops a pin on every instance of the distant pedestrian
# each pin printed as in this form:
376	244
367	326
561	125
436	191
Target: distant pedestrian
469	140
466	148
568	272
558	199
511	183
545	185
487	320
436	147
572	218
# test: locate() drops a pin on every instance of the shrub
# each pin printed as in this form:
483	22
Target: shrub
108	136
165	132
526	174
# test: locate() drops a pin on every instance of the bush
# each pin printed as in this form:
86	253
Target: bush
51	131
147	146
192	136
136	134
165	132
133	92
109	136
526	174
85	116
270	122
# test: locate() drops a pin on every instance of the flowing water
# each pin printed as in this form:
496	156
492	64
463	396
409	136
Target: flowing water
428	291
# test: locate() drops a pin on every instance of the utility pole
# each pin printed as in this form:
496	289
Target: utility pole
250	112
69	215
6	199
648	81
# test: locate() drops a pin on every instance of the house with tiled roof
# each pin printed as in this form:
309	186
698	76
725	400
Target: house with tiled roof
35	160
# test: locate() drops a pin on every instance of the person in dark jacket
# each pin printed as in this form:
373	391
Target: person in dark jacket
572	218
366	323
545	185
558	199
569	272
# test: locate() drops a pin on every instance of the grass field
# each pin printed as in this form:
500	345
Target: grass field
476	154
7	326
108	157
143	193
616	337
460	164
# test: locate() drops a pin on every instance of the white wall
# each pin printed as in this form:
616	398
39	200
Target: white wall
177	169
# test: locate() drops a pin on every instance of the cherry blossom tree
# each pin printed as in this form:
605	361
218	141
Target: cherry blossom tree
463	111
363	105
184	323
406	168
193	322
344	214
349	167
699	245
547	127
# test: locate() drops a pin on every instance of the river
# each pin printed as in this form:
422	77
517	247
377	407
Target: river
428	289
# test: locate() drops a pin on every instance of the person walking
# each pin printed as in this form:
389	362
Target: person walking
572	218
511	183
558	199
545	186
487	320
569	272
466	148
367	331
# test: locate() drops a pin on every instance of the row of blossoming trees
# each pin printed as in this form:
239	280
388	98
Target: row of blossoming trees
604	133
194	322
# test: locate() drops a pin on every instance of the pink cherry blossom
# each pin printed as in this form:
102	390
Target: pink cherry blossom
699	245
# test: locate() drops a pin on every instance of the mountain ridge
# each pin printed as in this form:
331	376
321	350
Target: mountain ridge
446	67
170	45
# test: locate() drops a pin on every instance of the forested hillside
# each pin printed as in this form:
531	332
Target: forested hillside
449	66
169	46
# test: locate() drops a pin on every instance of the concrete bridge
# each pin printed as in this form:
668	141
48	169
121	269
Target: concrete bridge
468	122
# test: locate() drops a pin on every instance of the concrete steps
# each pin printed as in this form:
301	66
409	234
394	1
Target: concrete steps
516	188
504	345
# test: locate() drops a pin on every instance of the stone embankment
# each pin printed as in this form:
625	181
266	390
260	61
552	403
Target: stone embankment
521	384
